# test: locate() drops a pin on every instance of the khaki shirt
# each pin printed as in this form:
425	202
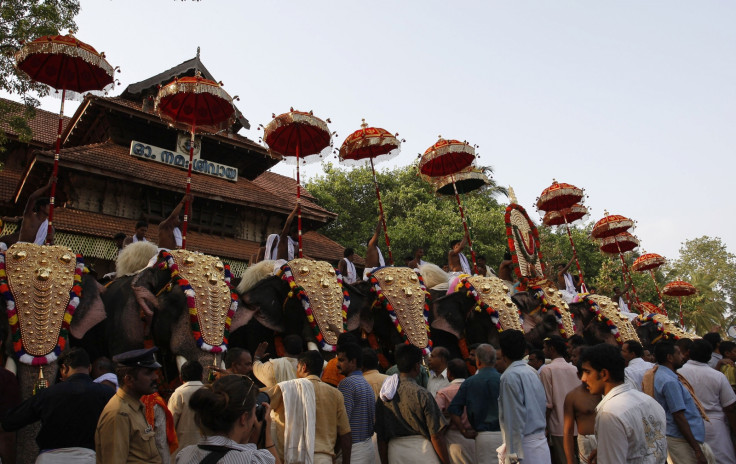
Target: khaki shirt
331	421
375	380
123	436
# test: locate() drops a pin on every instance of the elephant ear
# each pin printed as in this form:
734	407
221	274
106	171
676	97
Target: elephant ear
241	317
265	303
360	306
449	313
91	310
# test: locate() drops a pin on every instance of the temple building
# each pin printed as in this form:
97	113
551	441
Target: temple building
120	163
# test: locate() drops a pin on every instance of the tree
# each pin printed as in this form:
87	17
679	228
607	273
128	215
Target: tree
415	215
706	263
22	21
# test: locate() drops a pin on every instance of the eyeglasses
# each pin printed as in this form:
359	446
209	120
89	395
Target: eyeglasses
247	394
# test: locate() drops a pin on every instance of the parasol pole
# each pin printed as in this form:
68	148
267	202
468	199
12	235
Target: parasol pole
626	273
52	197
583	288
682	320
465	225
380	210
189	189
661	300
298	204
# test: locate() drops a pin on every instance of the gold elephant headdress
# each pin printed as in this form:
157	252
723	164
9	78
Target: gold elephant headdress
319	288
668	329
492	296
401	291
41	288
606	310
552	301
206	285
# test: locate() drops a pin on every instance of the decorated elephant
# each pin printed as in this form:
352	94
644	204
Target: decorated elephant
601	321
182	304
652	328
304	297
48	300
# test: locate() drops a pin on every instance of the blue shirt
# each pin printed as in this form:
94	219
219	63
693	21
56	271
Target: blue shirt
360	404
479	394
673	397
522	406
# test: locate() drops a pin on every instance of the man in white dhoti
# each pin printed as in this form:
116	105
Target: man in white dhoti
565	282
409	424
347	267
522	405
35	223
618	297
310	416
456	260
717	398
629	425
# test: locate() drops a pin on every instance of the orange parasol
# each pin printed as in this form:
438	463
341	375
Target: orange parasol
447	158
198	105
610	230
370	145
70	65
679	288
650	262
301	136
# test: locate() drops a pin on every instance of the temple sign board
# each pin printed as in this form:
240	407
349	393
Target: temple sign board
181	160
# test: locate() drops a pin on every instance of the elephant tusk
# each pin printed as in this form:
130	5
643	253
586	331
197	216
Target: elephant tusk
311	346
180	360
11	366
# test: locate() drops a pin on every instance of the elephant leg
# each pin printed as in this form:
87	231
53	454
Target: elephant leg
27	449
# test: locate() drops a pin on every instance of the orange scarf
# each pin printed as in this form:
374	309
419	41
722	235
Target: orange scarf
149	401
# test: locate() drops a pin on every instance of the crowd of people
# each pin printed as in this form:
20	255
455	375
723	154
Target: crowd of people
567	403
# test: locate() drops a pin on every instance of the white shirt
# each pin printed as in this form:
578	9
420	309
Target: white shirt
710	386
714	358
186	429
352	274
630	427
635	371
437	382
178	237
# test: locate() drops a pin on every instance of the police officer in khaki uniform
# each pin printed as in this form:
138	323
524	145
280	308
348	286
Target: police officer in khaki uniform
123	435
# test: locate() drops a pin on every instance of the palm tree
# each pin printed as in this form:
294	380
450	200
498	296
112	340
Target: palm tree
703	310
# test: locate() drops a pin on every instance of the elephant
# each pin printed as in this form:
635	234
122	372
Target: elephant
272	311
35	272
652	328
601	321
152	305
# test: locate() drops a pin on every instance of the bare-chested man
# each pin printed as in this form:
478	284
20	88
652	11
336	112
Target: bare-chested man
618	297
373	257
417	254
168	237
34	227
456	259
579	410
506	268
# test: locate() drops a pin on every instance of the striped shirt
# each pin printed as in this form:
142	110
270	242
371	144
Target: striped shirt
246	453
359	404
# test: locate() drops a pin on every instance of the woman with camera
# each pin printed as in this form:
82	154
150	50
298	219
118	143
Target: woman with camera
226	414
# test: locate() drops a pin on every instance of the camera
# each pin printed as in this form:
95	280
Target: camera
260	409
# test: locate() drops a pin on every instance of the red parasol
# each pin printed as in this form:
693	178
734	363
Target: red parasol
560	202
301	136
610	225
679	288
621	243
650	262
559	196
66	64
646	307
447	158
199	105
372	145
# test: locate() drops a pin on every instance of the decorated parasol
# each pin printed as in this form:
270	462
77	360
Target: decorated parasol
679	288
198	105
611	231
303	137
466	181
64	63
650	308
561	201
448	158
370	145
650	262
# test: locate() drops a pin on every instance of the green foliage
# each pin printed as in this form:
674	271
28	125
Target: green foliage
706	263
415	215
22	21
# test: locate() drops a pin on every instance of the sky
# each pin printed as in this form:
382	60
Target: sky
634	101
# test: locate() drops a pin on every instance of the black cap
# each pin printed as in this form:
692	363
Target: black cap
138	358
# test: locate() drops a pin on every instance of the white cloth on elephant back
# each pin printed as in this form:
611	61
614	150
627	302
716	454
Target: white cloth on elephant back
464	263
622	306
414	449
67	456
